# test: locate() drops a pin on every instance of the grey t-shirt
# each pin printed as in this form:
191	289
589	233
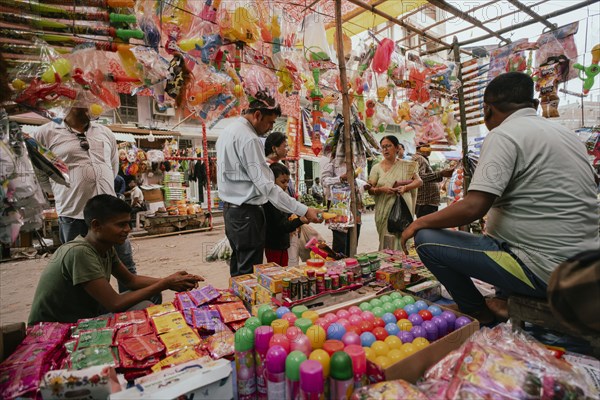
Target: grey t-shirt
547	209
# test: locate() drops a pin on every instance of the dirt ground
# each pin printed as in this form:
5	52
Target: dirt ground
156	257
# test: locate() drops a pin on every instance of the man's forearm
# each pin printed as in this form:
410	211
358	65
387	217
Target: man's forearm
457	214
141	281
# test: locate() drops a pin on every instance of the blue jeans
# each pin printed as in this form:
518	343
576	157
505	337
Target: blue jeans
455	257
70	228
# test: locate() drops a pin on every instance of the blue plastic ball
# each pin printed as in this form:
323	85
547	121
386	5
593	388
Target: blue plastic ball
392	328
367	339
336	331
434	310
421	305
411	309
388	317
283	310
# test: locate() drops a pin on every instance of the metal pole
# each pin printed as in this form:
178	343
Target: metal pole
463	116
347	123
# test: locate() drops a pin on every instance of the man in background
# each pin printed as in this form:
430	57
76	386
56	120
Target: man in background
316	191
428	196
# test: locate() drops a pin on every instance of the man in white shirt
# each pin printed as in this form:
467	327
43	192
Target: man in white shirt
537	186
90	151
316	190
245	183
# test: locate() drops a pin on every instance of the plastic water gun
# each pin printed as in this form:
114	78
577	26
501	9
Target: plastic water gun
92	81
62	67
40	91
316	96
321	249
209	11
360	98
214	103
590	71
211	44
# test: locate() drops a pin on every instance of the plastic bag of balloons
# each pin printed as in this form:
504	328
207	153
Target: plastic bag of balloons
45	87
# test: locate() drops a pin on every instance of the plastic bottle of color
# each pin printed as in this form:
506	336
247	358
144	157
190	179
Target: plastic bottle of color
262	336
244	364
275	366
342	377
292	374
312	383
359	364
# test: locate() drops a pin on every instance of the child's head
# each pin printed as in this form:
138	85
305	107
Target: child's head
132	184
282	175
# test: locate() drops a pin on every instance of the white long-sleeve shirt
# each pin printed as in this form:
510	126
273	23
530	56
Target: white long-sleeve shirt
91	172
243	175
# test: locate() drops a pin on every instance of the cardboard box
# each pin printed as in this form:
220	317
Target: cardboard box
197	379
153	195
254	309
391	276
88	383
413	367
428	290
258	268
264	295
240	285
273	280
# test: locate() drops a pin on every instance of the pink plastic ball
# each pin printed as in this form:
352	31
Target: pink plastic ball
355	319
279	339
355	310
344	322
322	322
290	317
293	332
350	338
367	316
331	317
301	343
343	314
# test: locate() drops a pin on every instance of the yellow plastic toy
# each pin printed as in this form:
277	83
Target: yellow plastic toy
190	44
241	27
62	66
382	93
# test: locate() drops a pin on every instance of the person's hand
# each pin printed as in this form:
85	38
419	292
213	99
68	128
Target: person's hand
344	177
447	173
181	281
386	190
400	189
368	186
408	233
304	220
312	215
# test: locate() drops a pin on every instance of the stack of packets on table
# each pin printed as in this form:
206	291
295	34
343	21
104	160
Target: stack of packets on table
41	350
494	363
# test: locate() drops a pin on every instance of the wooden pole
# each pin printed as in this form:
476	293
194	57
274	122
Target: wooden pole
347	123
463	116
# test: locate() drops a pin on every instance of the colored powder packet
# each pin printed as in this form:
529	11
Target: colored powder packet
133	331
92	356
180	339
133	374
90	324
35	353
142	347
160	309
236	325
187	315
99	337
221	344
205	320
203	295
226	296
183	301
183	356
70	345
20	380
47	332
128	362
232	312
129	317
169	322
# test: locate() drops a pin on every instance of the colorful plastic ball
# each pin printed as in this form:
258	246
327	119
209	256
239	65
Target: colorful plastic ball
392	328
378	311
393	341
409	348
400	314
343	314
365	306
301	343
353	328
408	299
293	332
396	355
461	321
371	356
395	295
322	322
406	337
367	339
290	317
418	331
316	336
411	309
434	310
380	333
312	315
399	303
336	331
441	324
426	315
450	319
376	303
355	319
354	310
280	340
389	317
281	311
331	317
367	316
380	348
388	307
383	362
378	322
420	343
431	330
343	321
366	326
415	319
253	323
404	325
268	317
350	338
421	305
385	298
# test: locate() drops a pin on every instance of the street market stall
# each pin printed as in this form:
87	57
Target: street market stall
333	326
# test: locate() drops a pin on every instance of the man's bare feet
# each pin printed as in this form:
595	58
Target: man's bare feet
499	307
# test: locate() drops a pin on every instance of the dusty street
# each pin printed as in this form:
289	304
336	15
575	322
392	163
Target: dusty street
154	257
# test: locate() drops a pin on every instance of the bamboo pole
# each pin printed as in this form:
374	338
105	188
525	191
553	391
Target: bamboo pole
347	124
463	116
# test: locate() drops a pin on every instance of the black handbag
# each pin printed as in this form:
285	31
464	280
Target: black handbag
400	217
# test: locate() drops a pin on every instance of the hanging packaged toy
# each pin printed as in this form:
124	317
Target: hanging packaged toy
340	205
550	74
556	43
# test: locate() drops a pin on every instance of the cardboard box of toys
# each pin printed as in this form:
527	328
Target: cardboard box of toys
391	276
243	287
